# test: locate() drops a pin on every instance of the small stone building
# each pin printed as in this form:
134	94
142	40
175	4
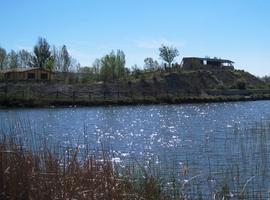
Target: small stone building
195	63
24	74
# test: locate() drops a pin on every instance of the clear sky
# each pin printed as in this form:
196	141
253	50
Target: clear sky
233	29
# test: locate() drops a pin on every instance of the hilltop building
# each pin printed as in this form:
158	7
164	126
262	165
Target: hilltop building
195	63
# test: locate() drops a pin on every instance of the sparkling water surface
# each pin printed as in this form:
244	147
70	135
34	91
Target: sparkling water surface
206	137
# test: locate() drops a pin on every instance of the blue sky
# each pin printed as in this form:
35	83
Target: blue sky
234	29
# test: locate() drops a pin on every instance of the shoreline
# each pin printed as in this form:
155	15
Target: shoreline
57	103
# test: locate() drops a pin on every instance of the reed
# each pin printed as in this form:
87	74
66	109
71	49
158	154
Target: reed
49	175
55	172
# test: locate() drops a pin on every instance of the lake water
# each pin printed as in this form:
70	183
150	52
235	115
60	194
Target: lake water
214	142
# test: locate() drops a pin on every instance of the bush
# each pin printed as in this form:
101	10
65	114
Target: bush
87	79
2	78
241	85
221	87
154	79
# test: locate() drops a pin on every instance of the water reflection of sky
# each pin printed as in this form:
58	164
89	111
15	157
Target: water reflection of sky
192	133
137	128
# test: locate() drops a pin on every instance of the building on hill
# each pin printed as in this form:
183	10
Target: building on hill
24	74
195	63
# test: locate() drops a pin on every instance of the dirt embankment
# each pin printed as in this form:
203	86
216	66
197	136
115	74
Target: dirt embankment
186	81
170	87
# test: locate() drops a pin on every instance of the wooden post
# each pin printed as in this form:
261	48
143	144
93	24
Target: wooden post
118	95
57	94
104	95
131	95
155	94
6	91
28	93
73	96
89	96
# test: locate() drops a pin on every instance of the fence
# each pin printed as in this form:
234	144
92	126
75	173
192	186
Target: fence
90	95
105	95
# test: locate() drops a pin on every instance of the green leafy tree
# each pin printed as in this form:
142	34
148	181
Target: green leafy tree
168	54
50	64
107	68
113	66
42	53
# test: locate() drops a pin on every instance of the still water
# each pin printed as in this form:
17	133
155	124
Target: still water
206	139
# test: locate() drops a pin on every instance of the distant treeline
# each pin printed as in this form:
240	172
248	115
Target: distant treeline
110	67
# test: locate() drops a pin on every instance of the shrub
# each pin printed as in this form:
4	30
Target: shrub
241	85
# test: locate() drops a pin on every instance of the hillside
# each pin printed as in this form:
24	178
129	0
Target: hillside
185	82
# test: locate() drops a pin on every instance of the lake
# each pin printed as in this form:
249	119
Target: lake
208	143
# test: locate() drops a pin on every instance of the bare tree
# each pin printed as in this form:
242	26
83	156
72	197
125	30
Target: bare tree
56	54
3	57
168	54
66	59
120	64
24	58
150	64
97	66
13	60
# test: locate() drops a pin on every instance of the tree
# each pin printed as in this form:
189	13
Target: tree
74	64
63	62
66	59
56	54
85	69
42	53
135	71
3	57
96	66
150	64
120	64
113	66
266	79
107	68
50	64
13	60
168	54
96	69
24	58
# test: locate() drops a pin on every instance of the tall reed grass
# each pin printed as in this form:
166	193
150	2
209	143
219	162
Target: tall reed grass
53	172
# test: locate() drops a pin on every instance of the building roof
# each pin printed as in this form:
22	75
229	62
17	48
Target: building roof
21	70
210	59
